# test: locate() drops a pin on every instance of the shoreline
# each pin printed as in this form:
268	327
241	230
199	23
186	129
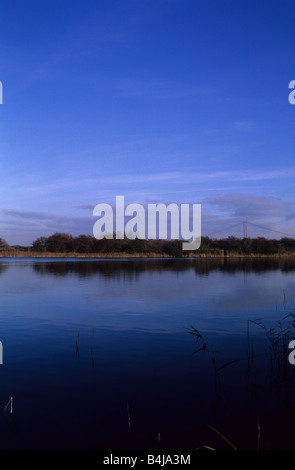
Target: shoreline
72	255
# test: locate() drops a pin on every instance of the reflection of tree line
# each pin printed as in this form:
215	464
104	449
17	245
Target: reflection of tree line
133	268
3	268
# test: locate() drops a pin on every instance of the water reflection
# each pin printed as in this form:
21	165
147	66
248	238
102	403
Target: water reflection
110	332
133	268
3	268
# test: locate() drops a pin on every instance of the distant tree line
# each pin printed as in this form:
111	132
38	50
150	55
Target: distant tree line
258	245
4	245
66	243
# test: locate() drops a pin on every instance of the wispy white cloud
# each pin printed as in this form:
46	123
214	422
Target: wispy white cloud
235	196
172	177
32	224
76	189
251	206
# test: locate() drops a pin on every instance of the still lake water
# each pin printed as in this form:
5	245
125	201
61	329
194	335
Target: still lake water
99	354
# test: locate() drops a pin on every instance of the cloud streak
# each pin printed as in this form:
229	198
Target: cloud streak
71	195
250	206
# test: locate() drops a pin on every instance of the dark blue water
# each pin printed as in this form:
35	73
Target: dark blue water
102	354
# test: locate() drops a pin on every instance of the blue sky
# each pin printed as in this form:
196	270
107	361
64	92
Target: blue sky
157	100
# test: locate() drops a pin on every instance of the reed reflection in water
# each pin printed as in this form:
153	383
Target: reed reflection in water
84	338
